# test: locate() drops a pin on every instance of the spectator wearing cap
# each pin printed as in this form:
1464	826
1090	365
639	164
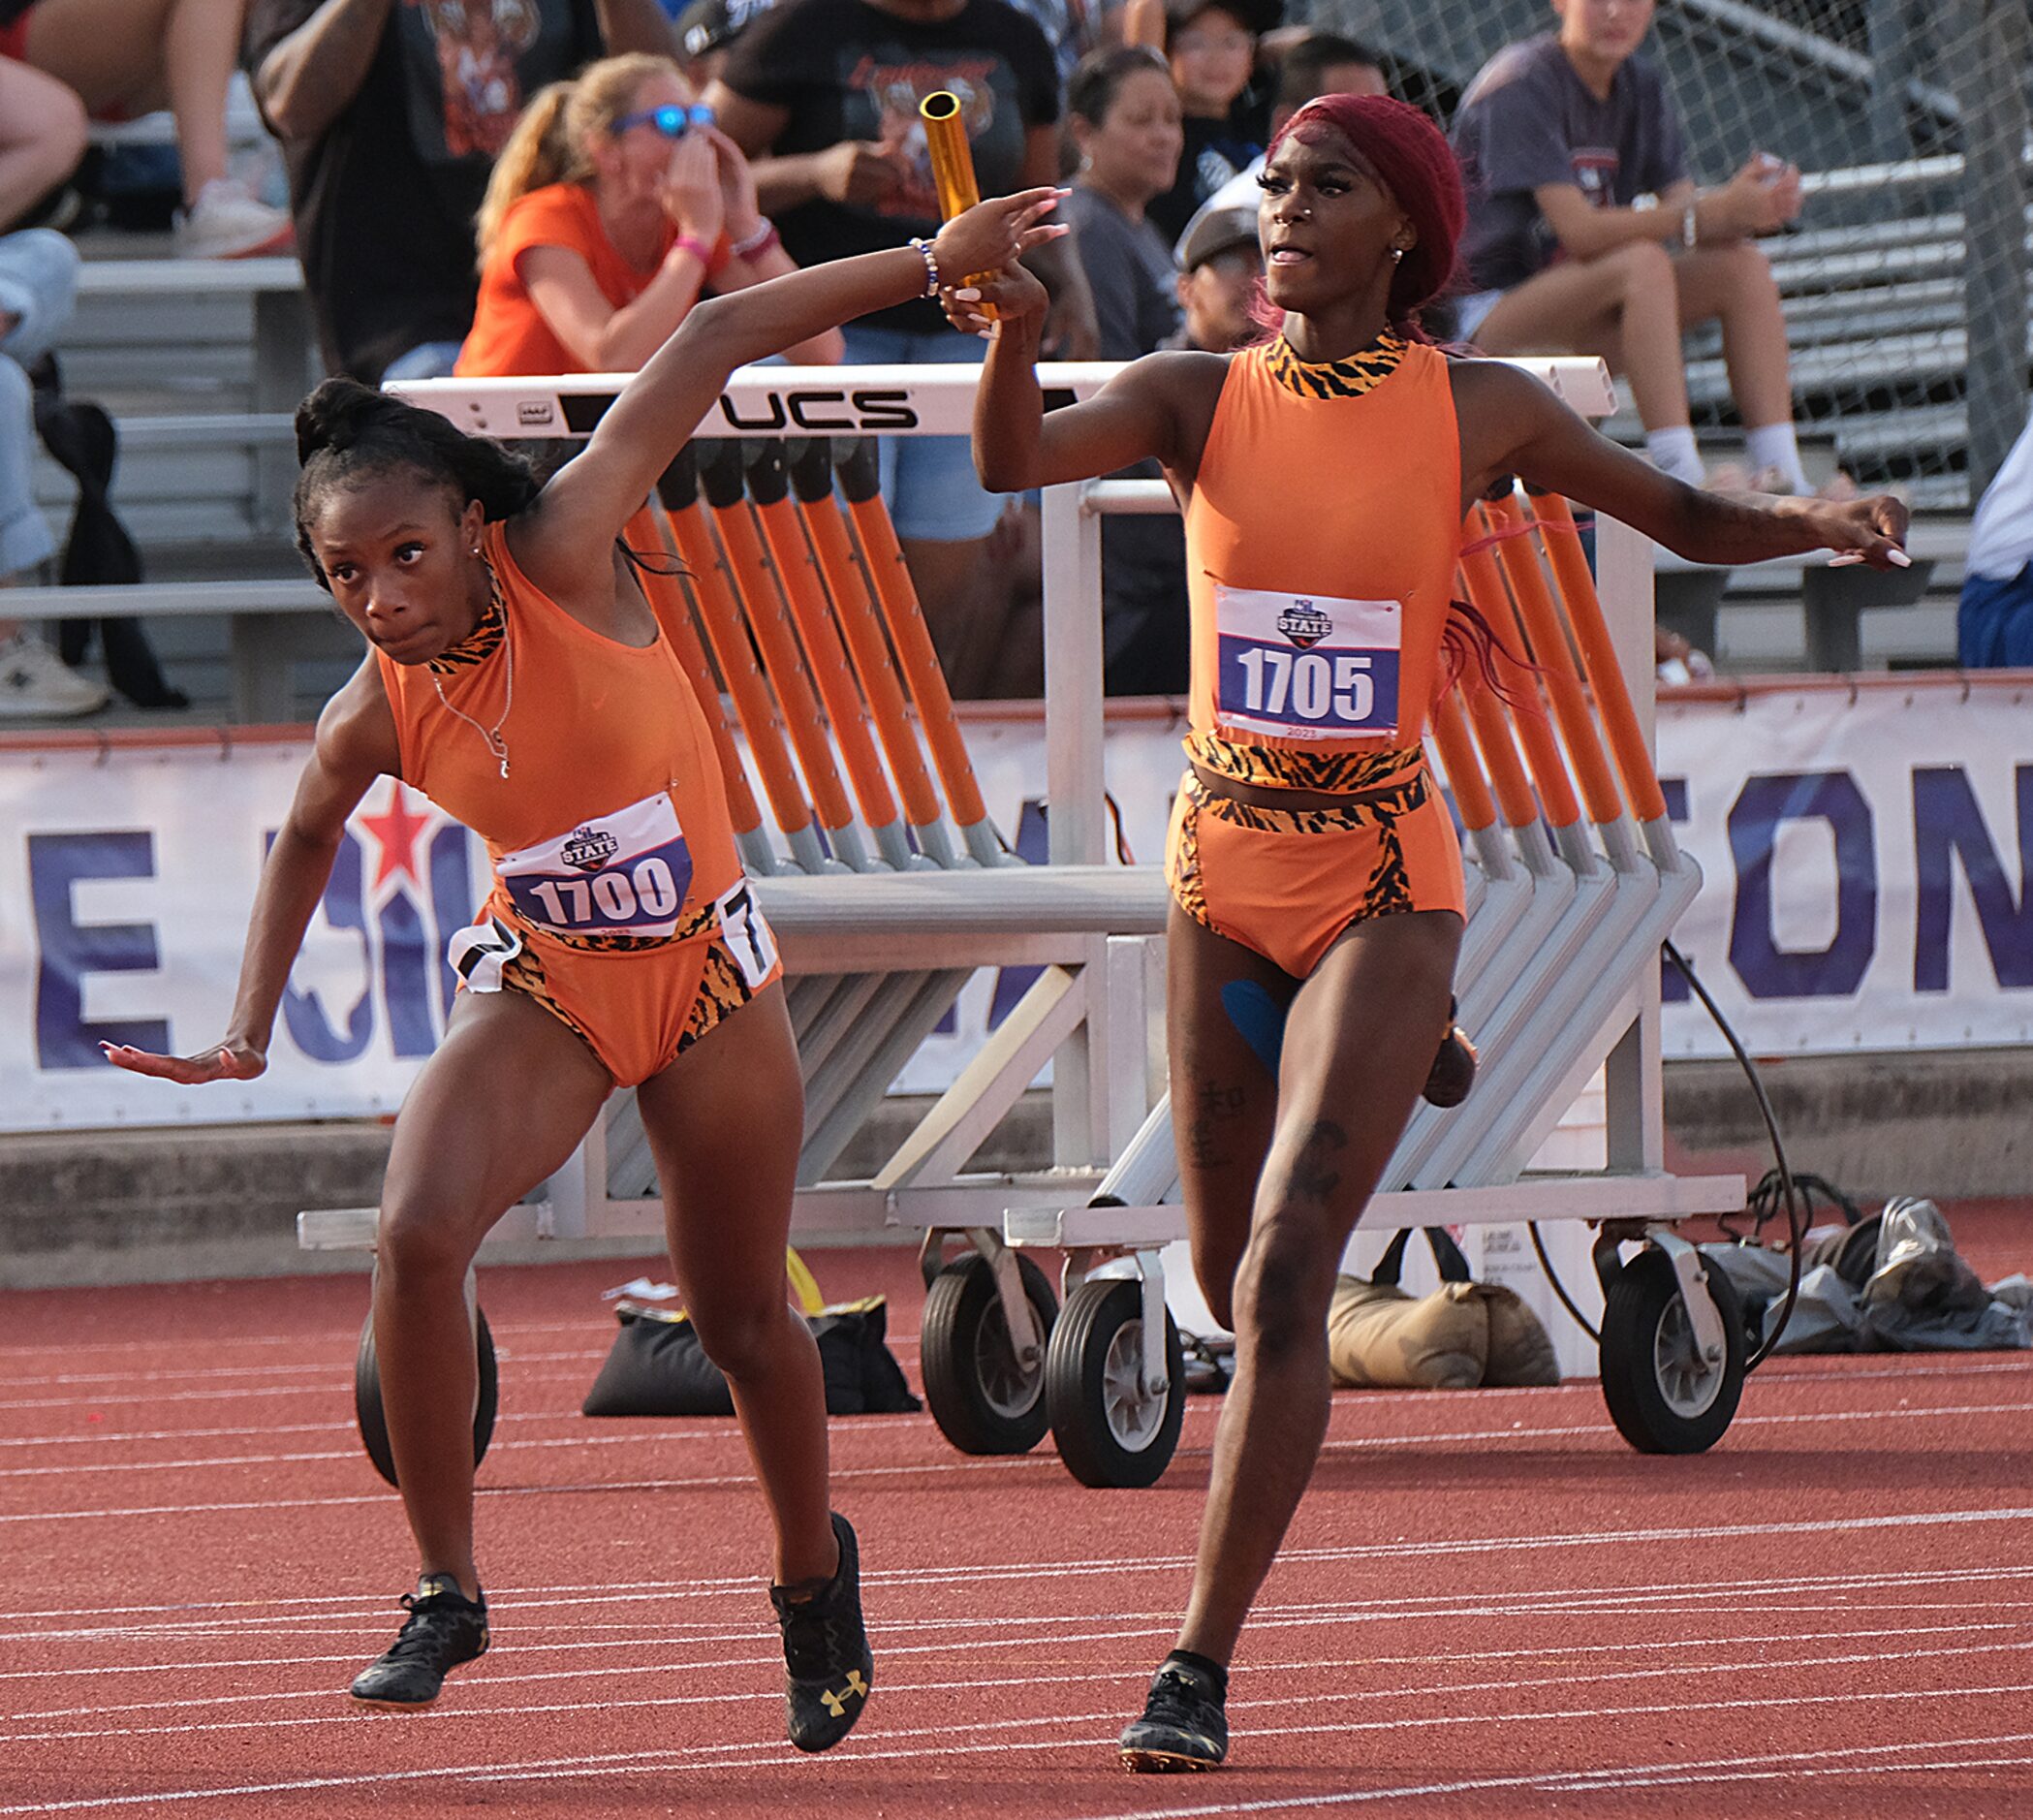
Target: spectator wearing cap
615	207
1211	46
824	96
1220	264
1994	624
1145	646
390	116
1587	235
706	30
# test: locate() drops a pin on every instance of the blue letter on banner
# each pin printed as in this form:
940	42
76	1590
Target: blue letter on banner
71	950
1947	822
1765	802
303	1012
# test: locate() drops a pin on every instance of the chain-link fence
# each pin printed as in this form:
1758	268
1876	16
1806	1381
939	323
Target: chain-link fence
1906	278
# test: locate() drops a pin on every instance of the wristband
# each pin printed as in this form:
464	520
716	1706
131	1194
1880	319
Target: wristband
931	267
1690	228
760	241
691	243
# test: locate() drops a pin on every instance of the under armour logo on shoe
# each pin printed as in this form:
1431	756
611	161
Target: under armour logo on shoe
837	1704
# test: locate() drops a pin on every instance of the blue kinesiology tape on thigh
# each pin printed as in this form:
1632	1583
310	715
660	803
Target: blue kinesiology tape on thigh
1259	1018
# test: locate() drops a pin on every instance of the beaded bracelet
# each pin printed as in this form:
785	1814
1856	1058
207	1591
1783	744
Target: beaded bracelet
931	267
760	241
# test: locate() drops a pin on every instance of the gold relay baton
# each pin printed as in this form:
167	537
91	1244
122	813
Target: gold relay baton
952	167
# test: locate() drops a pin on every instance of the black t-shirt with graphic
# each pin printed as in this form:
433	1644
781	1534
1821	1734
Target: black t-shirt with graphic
385	198
845	70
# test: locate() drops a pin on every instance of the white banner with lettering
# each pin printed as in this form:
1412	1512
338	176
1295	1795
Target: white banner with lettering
1866	855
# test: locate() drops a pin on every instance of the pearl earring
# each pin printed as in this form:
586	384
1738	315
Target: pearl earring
1398	254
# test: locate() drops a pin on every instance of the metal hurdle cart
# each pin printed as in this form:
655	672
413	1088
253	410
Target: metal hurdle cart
795	615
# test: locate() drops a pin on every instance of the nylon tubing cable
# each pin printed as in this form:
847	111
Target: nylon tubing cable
1796	1211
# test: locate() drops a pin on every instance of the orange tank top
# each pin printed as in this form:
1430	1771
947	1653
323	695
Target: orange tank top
1321	542
610	823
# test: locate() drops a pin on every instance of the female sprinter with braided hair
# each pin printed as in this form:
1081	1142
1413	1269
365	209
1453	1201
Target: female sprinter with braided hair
1325	476
518	678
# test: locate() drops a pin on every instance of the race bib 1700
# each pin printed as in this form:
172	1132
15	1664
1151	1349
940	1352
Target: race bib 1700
1306	667
625	874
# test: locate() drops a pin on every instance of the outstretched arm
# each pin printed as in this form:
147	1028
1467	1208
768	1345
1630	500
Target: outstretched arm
583	509
1512	423
356	741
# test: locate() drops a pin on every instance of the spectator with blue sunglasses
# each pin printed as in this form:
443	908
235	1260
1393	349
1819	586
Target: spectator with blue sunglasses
616	206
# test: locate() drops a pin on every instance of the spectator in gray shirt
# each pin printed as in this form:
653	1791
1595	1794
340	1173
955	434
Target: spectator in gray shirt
1586	236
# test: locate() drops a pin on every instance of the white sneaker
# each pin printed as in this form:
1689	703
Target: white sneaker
35	681
228	221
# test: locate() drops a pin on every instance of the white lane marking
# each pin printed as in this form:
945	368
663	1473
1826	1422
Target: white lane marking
1514	1688
1261	1620
691	1438
739	1755
514	1599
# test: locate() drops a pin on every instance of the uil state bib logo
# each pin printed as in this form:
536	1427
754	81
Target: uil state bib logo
1305	666
1304	624
589	848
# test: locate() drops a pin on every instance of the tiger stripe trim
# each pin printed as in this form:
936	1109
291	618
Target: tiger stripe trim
523	972
1376	812
482	641
1188	885
723	990
1283	768
1347	378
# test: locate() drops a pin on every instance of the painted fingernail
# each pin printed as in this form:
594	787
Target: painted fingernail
967	294
1847	559
986	334
1899	559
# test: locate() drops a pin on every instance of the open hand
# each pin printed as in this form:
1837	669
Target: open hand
742	214
690	191
229	1062
1869	530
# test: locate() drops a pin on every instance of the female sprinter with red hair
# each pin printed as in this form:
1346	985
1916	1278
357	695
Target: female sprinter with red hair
1324	475
619	946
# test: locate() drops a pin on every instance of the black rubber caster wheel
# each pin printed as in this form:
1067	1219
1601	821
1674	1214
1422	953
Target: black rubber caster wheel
366	1398
1108	1432
1663	1396
984	1398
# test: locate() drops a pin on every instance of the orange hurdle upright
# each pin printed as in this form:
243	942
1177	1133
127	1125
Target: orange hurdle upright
712	588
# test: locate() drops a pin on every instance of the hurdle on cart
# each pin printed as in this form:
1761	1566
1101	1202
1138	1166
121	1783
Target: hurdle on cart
863	829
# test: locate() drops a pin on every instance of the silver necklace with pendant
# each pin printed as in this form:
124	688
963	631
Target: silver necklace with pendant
490	735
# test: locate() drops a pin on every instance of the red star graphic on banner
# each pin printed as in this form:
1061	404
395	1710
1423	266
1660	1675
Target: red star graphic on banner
397	831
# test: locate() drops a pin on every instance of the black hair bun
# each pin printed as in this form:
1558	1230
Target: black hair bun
333	416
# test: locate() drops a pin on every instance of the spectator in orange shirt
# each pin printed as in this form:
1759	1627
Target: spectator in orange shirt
615	208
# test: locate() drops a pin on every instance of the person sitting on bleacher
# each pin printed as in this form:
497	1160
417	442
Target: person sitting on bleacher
1586	236
615	208
1994	622
129	57
390	117
38	278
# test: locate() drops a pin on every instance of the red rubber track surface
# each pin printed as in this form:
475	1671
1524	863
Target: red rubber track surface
1488	1604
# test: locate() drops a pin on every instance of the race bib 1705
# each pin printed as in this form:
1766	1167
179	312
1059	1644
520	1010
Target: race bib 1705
622	875
1305	666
